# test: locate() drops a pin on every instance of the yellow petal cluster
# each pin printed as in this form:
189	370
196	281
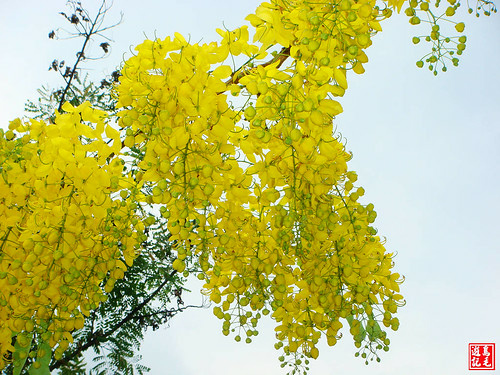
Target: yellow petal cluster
65	233
246	170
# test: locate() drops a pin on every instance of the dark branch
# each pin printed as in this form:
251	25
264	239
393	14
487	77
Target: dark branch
101	336
88	33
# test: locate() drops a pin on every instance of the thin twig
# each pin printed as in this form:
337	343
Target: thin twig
95	29
98	337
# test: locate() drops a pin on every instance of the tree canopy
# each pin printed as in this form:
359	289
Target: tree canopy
229	149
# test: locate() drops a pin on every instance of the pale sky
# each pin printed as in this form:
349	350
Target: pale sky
426	150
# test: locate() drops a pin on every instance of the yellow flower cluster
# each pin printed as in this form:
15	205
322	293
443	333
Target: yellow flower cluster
181	120
254	186
66	233
245	168
323	34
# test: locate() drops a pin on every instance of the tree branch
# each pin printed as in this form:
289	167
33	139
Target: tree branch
95	29
95	339
169	311
280	57
79	56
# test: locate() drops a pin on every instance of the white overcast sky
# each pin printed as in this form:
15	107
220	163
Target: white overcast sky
426	149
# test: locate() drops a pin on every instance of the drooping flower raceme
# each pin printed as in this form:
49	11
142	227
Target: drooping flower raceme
244	165
66	234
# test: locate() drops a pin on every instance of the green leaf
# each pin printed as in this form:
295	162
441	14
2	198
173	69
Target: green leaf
21	355
362	332
374	332
43	361
349	319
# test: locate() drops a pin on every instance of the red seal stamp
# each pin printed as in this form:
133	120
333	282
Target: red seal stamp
481	356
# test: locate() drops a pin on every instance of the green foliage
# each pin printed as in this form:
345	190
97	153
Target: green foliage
21	355
147	297
76	366
41	365
81	90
